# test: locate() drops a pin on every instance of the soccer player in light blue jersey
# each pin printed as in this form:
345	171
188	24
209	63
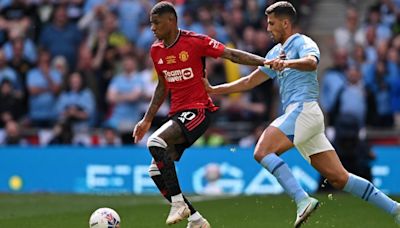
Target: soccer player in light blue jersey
293	62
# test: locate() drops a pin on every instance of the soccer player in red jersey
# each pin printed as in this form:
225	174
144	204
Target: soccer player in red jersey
179	59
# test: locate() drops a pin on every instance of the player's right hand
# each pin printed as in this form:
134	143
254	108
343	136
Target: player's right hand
140	130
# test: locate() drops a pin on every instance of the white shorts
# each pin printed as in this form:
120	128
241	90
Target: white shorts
303	124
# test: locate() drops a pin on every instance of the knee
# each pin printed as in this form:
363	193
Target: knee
260	154
155	141
338	181
153	170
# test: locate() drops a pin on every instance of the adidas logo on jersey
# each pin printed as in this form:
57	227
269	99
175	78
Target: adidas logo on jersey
160	62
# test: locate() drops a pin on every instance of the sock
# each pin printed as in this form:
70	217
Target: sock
364	189
159	181
167	169
277	167
195	216
177	198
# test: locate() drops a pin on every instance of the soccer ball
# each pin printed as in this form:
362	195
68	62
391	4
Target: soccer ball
104	218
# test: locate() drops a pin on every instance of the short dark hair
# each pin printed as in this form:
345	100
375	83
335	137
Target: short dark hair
283	8
164	7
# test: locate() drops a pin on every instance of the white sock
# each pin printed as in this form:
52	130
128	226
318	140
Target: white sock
195	216
177	198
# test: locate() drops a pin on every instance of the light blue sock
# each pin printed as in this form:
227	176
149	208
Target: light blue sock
364	189
277	167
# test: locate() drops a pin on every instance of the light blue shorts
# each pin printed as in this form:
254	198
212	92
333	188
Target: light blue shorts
303	124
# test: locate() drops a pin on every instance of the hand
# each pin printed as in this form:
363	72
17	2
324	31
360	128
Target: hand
209	88
277	64
140	130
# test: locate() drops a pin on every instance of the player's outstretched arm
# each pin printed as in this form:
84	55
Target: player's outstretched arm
252	80
308	63
158	98
242	57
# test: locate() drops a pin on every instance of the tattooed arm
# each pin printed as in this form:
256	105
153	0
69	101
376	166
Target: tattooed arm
156	101
242	57
158	98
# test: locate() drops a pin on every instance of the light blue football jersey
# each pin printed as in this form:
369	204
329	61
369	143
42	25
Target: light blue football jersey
295	85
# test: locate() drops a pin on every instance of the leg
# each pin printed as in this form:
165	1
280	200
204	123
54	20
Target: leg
273	141
159	181
168	134
329	165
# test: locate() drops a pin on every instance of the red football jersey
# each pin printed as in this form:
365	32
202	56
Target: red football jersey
182	65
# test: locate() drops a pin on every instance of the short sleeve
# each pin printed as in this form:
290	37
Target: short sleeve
114	84
268	71
211	47
309	47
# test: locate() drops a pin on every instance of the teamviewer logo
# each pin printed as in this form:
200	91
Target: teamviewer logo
187	73
178	75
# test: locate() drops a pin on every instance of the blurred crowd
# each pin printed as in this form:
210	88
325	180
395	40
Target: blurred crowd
364	80
79	72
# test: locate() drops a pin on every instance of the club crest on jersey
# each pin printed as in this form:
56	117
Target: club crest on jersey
183	56
178	75
170	59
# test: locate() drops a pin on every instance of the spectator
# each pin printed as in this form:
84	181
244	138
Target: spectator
106	63
18	15
382	30
61	31
110	137
114	37
351	98
44	84
11	106
188	22
61	134
347	36
380	112
18	41
91	22
76	104
123	96
44	10
13	134
19	60
333	80
130	16
7	72
59	63
75	10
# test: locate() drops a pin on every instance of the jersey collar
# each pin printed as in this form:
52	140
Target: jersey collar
289	40
176	40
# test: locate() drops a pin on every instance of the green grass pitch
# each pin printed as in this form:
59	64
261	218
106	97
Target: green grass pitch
66	211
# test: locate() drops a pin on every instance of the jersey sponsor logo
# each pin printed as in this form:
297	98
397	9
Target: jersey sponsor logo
178	75
160	61
170	59
183	56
